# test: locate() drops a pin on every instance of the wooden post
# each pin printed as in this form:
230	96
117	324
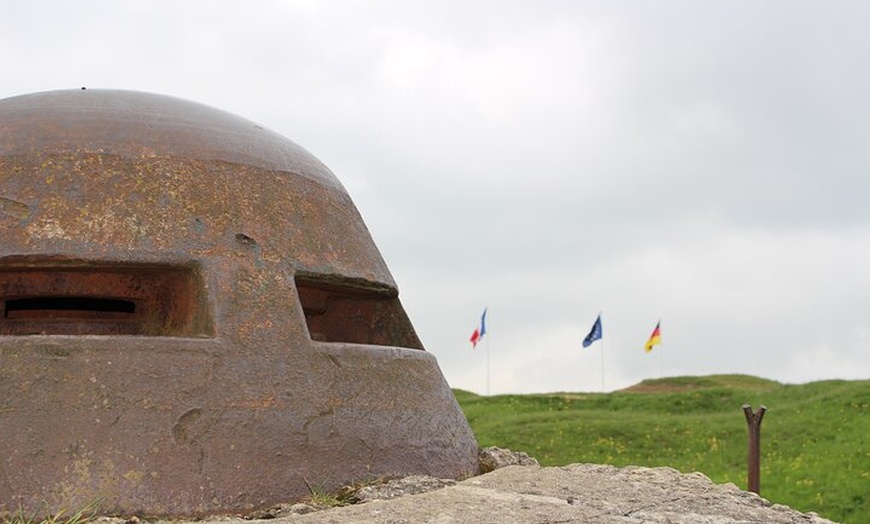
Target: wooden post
753	420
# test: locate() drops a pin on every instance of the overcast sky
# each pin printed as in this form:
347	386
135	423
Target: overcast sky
702	163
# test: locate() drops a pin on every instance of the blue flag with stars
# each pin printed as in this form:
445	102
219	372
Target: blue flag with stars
594	334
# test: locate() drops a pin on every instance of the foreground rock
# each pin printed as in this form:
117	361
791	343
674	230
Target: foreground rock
579	493
493	458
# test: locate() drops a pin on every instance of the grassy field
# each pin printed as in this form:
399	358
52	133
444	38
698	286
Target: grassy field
815	438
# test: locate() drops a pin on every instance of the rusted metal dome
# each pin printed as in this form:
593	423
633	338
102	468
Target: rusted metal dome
194	318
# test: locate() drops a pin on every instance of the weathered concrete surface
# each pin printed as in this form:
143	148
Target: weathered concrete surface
194	319
575	493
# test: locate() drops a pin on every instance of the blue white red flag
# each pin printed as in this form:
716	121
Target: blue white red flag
480	331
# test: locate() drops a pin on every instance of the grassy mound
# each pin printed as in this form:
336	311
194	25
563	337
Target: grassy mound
672	384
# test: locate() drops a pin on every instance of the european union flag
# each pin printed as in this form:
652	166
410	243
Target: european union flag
594	334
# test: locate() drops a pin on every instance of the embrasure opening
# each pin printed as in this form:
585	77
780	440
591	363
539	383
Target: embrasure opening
100	299
348	312
57	307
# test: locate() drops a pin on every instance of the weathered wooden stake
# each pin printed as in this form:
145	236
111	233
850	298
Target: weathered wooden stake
753	420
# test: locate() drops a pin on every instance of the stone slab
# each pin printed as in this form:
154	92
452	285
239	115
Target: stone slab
578	493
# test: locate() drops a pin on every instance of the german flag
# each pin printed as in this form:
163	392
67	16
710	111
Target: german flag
655	338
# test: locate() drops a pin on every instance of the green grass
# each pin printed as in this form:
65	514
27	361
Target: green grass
815	438
81	516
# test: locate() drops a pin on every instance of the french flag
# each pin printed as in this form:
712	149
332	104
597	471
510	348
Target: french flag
479	332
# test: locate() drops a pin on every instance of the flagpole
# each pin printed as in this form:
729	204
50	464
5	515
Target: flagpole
480	333
487	366
602	365
661	357
595	334
661	363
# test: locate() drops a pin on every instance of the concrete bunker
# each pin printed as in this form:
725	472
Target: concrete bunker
194	318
